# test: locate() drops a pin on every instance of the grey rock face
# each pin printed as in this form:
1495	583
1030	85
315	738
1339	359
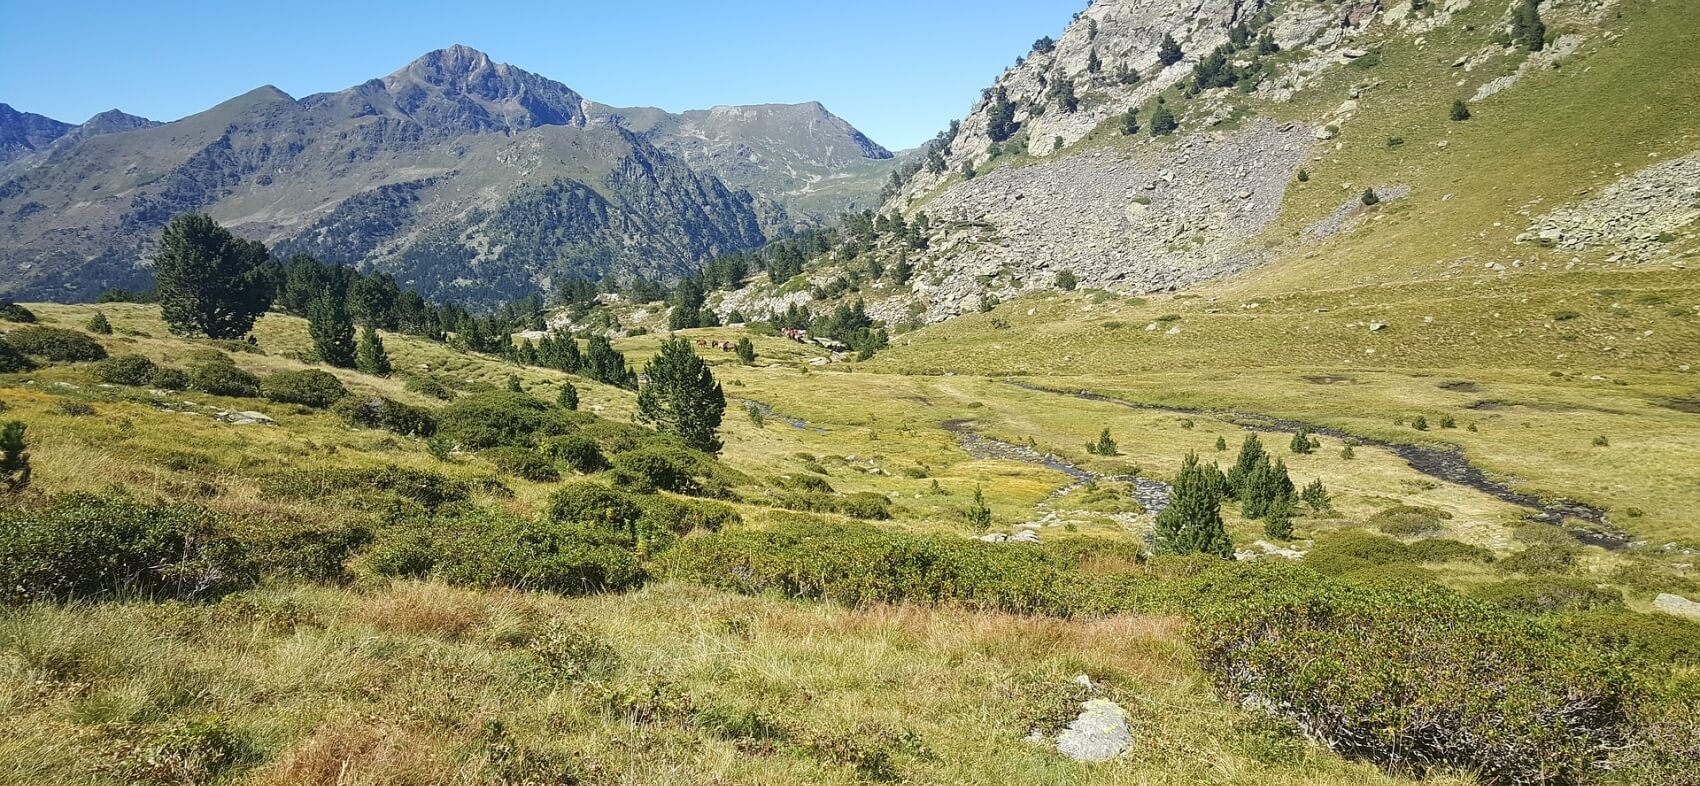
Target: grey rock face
1677	605
1634	214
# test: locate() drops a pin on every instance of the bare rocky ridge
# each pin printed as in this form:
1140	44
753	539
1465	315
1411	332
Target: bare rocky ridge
1640	214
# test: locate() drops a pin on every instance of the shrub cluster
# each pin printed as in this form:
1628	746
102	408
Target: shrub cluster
430	489
388	414
522	463
308	387
125	370
1353	550
492	549
493	419
56	344
219	376
1548	594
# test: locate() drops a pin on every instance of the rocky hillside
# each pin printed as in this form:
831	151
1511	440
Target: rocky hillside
1253	139
464	177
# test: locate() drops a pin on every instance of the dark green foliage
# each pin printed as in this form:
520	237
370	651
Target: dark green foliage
1169	51
1303	176
310	387
513	384
491	549
11	360
55	344
169	379
658	469
332	331
14	457
1549	594
99	325
1660	638
431	490
523	463
1460	111
1093	64
12	312
1221	444
1163	121
1543	559
1316	496
223	379
125	370
1368	197
1066	281
1527	28
567	397
1278	519
1000	120
1062	92
979	513
370	356
1302	443
1251	457
1192	524
1127	75
1104	446
88	546
1413	676
387	414
606	365
426	386
682	396
746	351
1346	452
210	282
576	452
488	420
1349	550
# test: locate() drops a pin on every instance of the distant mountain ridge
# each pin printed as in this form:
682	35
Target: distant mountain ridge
462	176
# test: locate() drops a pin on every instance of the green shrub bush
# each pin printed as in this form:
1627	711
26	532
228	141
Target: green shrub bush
93	546
169	379
523	463
1660	638
125	370
12	312
430	489
492	419
11	360
308	387
657	469
1437	550
592	505
426	386
1543	558
1549	594
388	414
223	379
489	549
1409	521
56	344
576	452
1415	677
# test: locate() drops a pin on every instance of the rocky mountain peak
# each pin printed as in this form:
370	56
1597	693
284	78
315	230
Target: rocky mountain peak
461	90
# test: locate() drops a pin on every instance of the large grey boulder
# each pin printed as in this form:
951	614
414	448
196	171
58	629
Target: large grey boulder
1099	734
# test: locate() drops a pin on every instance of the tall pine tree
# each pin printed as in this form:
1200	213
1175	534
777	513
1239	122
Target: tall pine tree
370	356
682	396
210	282
332	330
1192	523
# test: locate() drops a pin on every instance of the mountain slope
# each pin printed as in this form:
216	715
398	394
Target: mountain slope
23	133
465	177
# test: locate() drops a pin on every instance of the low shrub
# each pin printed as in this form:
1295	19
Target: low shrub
1543	558
492	419
1408	521
11	360
1416	677
1660	638
92	546
125	370
1437	550
308	387
490	549
1549	594
576	452
430	489
523	463
1349	550
223	379
56	344
388	414
12	312
657	469
166	378
426	386
595	506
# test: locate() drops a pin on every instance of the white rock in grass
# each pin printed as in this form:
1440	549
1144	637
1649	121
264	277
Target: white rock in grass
1676	604
1099	734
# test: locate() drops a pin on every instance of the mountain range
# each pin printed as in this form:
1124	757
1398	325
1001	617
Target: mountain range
461	176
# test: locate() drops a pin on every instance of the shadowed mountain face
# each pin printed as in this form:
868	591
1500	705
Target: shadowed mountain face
464	177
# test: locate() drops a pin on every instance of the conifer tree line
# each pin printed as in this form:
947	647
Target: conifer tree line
1261	484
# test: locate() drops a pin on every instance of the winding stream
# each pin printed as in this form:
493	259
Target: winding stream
1446	464
1152	494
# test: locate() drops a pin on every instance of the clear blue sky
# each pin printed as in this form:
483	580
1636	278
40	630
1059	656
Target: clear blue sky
900	70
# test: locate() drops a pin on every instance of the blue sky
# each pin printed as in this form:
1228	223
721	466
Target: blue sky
900	70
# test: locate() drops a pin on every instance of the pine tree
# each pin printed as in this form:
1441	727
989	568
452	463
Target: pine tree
14	458
1093	64
1368	197
1460	110
746	351
682	396
568	397
1304	177
979	514
1163	121
1347	453
370	356
1251	457
1000	118
1169	52
1316	496
1221	444
210	282
1192	523
1266	44
1527	29
1279	523
514	385
1127	75
1130	122
332	331
1105	446
1267	484
1302	443
98	324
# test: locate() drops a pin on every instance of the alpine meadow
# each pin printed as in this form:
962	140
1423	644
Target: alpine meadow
1240	392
